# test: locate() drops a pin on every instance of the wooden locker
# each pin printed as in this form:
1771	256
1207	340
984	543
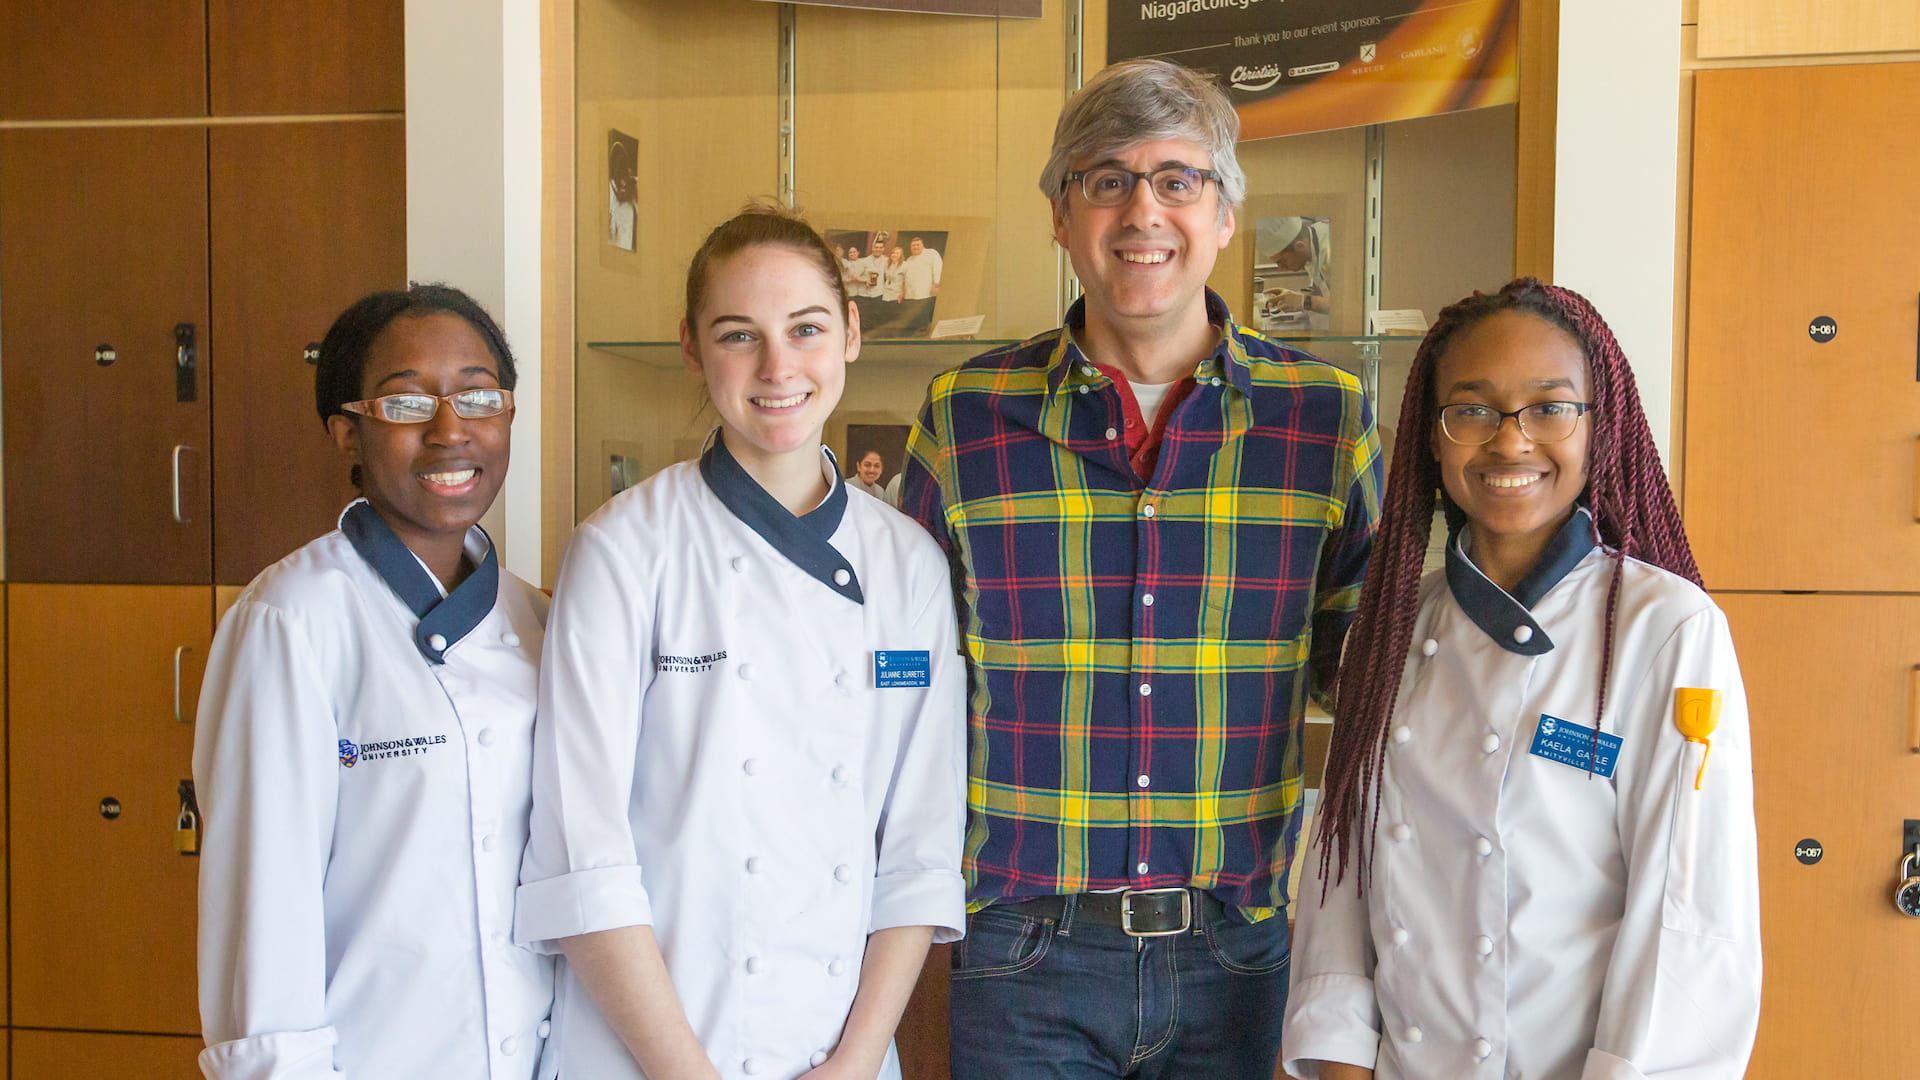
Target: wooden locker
1831	690
306	219
1802	462
103	685
314	56
137	58
103	243
89	1055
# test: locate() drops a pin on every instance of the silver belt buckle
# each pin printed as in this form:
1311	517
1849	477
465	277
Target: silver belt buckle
1186	911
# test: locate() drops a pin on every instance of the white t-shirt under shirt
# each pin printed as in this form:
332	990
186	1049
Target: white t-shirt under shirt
1149	396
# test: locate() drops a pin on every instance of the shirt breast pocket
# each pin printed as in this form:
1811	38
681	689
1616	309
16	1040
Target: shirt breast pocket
1257	578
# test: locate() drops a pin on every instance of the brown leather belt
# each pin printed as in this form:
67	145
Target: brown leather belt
1137	912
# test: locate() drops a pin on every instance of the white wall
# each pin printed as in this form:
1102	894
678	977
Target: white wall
1616	175
473	204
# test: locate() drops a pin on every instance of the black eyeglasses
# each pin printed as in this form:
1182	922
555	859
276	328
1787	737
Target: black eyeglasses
1173	185
1542	422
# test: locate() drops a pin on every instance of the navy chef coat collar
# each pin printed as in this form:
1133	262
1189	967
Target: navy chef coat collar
804	540
444	617
1505	616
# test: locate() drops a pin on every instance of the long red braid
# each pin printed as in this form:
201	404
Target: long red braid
1633	513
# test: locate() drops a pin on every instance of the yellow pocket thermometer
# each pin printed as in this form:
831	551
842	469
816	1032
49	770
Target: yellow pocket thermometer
1696	713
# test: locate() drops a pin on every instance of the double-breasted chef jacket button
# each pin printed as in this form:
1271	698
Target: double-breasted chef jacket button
839	774
753	864
837	966
751	1066
746	672
1482	1049
546	1028
754	965
1400	935
1429	647
843	873
1483	945
1523	634
1414	1034
510	639
843	680
437	642
841	577
818	1059
485	737
1491	743
1402	733
486	842
1402	832
739	563
500	938
1483	846
750	766
509	1044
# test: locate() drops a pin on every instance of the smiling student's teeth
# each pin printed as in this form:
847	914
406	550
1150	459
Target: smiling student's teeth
1510	481
1145	256
449	479
780	403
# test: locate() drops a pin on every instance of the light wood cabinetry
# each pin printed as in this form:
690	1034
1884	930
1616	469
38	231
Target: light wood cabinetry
88	1055
1751	28
101	696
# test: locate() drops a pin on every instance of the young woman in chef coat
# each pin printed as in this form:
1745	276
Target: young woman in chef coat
364	749
1536	851
749	773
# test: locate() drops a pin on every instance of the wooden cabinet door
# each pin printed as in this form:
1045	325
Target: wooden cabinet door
65	61
306	219
100	703
1800	462
103	241
88	1055
314	56
1828	687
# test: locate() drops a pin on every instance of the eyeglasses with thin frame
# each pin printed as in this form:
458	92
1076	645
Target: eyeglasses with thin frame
1541	422
420	408
1173	185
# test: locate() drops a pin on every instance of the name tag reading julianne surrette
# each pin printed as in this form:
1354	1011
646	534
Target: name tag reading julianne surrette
902	667
1571	744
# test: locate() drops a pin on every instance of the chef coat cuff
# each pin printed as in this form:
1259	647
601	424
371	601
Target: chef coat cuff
277	1055
936	898
583	902
1330	1018
1604	1066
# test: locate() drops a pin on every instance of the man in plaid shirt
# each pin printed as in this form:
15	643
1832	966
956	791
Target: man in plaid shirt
1158	521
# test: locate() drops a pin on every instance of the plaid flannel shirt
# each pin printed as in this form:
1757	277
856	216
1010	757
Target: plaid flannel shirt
1140	651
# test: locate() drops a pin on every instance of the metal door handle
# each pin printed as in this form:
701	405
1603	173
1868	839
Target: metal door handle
179	653
180	450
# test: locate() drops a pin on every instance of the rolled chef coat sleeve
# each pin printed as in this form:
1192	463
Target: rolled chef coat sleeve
580	873
917	879
1682	989
1332	1014
266	774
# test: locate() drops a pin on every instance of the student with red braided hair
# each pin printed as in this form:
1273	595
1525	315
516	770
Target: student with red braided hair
1536	854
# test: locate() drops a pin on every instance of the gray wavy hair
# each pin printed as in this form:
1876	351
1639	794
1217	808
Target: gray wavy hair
1142	101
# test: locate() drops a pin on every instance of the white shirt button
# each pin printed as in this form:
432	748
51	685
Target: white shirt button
486	842
485	738
1483	945
1428	648
746	672
751	1066
1490	743
510	639
1482	1049
509	1044
843	873
1414	1035
753	864
1140	869
1089	370
1146	690
1400	935
1523	634
1483	846
1112	434
754	965
1215	380
1083	388
839	774
837	967
1147	600
750	766
1402	733
819	1057
1144	780
739	563
1147	510
1402	832
546	1028
437	642
841	577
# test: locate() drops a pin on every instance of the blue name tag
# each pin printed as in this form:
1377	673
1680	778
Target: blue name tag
1570	744
902	667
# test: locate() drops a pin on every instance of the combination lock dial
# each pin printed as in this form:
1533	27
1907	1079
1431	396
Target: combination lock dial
1906	895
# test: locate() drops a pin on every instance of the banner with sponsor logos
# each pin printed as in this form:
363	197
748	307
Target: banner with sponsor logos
1294	66
1005	9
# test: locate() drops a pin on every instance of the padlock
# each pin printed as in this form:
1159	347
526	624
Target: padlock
1906	895
186	825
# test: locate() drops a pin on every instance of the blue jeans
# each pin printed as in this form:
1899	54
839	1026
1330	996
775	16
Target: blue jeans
1071	1000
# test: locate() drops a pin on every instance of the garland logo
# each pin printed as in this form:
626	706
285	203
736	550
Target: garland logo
349	753
1258	77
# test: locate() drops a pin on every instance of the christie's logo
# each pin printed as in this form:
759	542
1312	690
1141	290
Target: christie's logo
1257	77
694	664
351	755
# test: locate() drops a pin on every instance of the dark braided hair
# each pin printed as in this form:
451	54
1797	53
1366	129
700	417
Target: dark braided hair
1633	515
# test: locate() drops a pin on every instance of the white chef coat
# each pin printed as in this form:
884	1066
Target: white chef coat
716	759
1526	921
365	779
868	273
893	281
922	273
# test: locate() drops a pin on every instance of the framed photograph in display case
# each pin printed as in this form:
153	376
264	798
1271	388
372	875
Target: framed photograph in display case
906	273
855	436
